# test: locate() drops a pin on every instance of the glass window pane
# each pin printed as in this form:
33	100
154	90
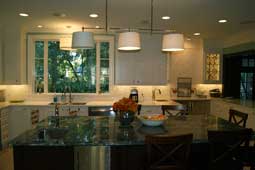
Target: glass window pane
67	69
104	67
251	62
39	67
245	62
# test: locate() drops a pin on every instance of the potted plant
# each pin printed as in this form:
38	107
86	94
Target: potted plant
125	110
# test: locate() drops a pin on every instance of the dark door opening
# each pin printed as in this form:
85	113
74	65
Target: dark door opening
239	75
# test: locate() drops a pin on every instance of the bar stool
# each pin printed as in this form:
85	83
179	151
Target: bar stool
225	148
237	117
174	110
168	152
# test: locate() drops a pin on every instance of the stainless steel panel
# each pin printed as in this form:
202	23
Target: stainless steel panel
101	111
92	158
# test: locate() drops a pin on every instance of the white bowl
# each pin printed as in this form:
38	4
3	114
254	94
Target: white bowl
149	122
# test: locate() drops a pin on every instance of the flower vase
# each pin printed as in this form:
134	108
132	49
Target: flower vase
126	118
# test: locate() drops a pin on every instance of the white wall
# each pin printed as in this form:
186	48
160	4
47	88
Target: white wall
240	38
187	63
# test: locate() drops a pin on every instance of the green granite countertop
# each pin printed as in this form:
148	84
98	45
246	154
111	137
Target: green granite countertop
242	102
94	131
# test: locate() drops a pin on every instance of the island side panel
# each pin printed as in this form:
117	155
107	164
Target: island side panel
43	158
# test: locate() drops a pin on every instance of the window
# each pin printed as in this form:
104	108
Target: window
246	85
82	71
247	78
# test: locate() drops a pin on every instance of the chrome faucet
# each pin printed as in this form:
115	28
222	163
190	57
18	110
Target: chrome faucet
56	115
56	109
154	92
70	95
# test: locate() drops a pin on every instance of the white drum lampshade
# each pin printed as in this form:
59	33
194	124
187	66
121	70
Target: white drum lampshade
66	43
129	41
173	42
83	40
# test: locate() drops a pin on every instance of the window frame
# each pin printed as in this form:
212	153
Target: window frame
32	38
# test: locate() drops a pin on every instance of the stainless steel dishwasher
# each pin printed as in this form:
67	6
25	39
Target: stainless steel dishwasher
101	111
92	158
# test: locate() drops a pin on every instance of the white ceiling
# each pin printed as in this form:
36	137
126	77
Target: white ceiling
187	16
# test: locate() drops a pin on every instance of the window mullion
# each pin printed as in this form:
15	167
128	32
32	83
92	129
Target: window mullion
46	67
97	67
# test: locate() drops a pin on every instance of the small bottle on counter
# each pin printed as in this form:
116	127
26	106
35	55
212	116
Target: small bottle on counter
55	98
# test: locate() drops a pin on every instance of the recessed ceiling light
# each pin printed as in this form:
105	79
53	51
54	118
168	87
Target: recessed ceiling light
61	15
93	15
188	39
97	26
197	33
165	17
39	26
222	21
23	14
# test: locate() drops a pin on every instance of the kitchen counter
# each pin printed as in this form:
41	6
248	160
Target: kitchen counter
193	98
145	103
245	103
97	131
90	103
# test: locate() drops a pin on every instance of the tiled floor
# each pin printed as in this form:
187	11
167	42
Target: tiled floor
6	159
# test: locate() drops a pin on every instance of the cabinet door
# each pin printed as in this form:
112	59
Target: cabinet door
19	121
125	70
14	64
145	67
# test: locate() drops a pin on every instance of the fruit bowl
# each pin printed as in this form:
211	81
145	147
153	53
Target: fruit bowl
152	120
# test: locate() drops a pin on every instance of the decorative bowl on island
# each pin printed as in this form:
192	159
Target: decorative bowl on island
152	120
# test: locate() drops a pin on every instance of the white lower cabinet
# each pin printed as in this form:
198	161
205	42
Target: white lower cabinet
19	121
4	127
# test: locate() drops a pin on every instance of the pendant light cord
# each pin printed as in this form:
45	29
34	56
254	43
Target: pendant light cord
151	16
106	15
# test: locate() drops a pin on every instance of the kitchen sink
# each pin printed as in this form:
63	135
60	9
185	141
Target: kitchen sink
162	100
56	132
78	103
73	103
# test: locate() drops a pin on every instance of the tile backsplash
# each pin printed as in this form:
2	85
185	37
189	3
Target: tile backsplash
23	92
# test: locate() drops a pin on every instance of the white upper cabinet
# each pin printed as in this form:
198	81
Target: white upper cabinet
13	61
145	67
1	56
213	51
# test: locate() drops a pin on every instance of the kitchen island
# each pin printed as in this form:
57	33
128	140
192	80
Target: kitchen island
83	142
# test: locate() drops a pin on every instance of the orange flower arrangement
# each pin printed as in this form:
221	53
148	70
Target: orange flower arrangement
124	105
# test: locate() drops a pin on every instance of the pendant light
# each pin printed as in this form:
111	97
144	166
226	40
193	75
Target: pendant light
129	41
66	44
173	42
83	40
